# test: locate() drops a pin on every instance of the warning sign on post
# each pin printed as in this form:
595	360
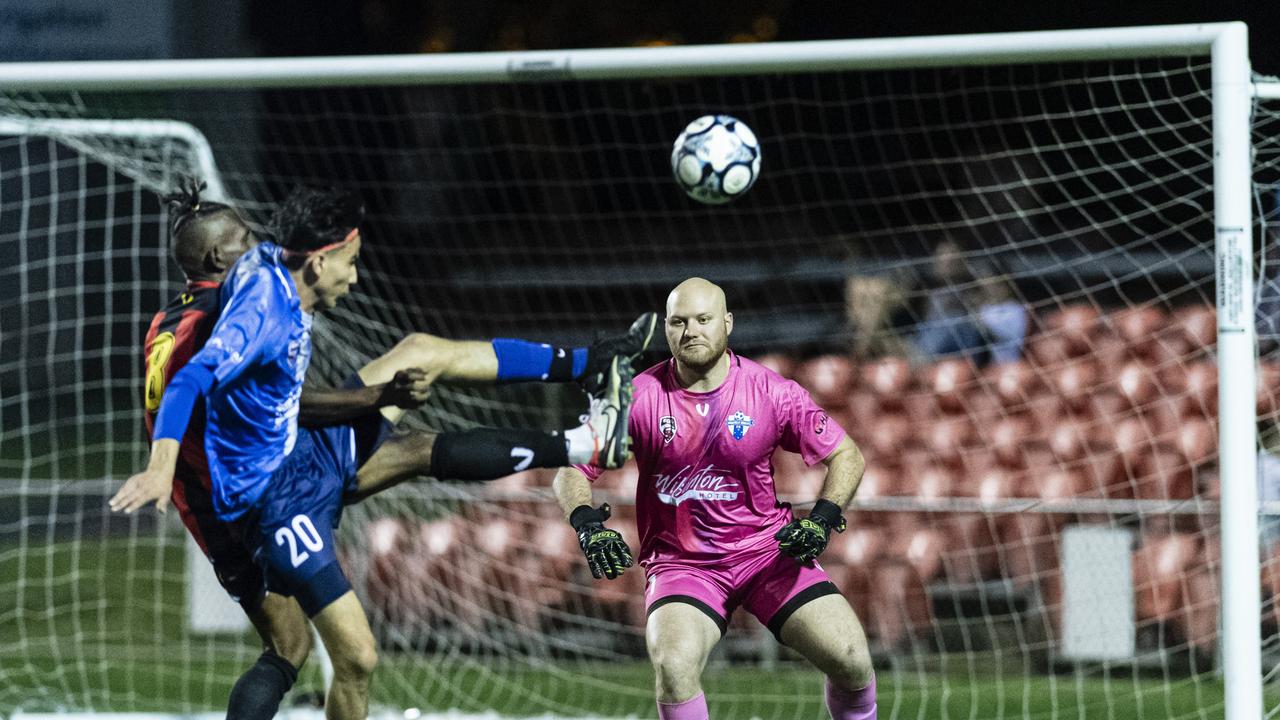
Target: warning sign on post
1231	291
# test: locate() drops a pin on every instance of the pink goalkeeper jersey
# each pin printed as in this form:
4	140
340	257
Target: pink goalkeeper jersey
706	487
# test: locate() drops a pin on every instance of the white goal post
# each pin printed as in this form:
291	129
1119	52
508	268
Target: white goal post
1233	97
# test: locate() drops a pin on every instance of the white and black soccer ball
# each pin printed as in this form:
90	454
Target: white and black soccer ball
716	159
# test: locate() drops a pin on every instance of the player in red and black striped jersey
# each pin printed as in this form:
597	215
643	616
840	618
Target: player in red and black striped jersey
208	239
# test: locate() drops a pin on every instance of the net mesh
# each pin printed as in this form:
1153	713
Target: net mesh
1000	280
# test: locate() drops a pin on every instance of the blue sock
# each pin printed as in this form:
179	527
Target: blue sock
523	361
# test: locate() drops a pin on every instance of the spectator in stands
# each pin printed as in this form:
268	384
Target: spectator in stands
876	316
970	310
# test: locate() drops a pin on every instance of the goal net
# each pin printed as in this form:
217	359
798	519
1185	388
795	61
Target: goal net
998	275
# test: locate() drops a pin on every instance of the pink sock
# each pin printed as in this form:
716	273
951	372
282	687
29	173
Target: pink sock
852	704
695	708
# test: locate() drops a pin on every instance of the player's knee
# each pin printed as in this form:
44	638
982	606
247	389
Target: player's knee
425	350
855	669
358	663
294	643
675	675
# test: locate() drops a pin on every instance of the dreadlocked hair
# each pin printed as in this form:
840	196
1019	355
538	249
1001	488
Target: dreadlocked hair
311	218
185	204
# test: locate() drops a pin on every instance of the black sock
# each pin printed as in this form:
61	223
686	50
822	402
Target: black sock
488	453
258	692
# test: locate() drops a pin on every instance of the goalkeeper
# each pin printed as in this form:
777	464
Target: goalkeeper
713	535
279	506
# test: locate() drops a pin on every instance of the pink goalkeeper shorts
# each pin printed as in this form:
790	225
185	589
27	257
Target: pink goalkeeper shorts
769	585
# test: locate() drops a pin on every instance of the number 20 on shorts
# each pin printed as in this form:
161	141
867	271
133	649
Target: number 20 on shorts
298	530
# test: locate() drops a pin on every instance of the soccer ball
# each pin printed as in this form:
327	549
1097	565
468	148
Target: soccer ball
716	159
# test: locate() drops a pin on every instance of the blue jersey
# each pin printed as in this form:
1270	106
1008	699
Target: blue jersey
258	354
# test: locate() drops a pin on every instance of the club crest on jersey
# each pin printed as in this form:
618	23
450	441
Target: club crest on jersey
667	424
739	423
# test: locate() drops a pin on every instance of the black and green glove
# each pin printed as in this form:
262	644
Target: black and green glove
607	553
805	539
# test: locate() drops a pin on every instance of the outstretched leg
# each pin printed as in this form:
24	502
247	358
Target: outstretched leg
508	360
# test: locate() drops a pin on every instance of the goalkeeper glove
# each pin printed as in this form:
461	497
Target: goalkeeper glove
805	539
607	553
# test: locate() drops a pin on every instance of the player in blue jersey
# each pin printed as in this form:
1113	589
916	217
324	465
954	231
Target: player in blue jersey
283	489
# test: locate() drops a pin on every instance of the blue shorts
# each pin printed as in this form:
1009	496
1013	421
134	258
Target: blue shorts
290	530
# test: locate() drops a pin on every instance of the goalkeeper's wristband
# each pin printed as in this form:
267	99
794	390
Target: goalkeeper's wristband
585	515
829	514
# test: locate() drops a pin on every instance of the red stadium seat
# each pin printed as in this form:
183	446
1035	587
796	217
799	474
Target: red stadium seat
1268	402
1008	437
946	438
1068	439
1028	546
828	378
889	378
1076	325
899	604
1136	383
1199	327
780	363
1197	440
1014	383
951	381
1200	620
1104	474
1164	474
1076	383
1140	326
1160	566
1197	384
1050	350
851	559
889	434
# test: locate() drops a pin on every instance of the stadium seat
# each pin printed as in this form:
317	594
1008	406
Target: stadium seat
889	434
889	378
1140	327
1008	438
1050	350
1104	473
1197	440
851	559
780	363
828	378
1163	474
1068	438
1268	403
1136	382
951	382
1199	327
861	407
1014	383
1199	624
1197	384
1075	383
947	436
1160	566
1028	544
1076	325
900	608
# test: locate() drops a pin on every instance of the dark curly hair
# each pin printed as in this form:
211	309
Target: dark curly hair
311	218
185	204
196	225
